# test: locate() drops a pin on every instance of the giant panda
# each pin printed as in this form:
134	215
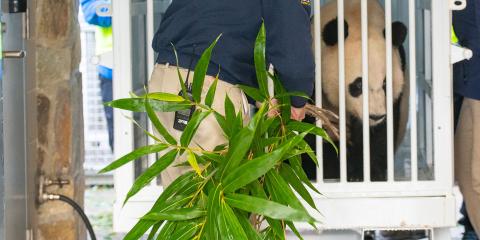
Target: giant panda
353	83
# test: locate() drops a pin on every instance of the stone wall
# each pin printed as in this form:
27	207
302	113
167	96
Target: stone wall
60	120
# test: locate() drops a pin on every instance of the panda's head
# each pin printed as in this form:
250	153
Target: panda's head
353	61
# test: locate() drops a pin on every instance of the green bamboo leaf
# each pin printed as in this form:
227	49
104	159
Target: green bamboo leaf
230	225
201	160
285	102
303	126
267	208
230	114
265	142
309	151
239	147
254	93
296	152
180	78
181	184
270	123
223	124
157	124
251	233
166	231
289	175
138	105
294	230
154	230
275	225
165	97
139	152
211	93
275	231
192	160
296	164
257	189
260	63
201	70
192	127
279	188
133	95
176	215
241	142
258	167
151	173
213	213
184	231
214	157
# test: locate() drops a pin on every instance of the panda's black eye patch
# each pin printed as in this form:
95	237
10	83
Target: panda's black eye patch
330	32
355	88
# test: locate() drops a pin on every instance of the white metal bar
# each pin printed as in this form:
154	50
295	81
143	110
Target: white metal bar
415	213
150	34
413	90
150	65
341	79
389	103
318	82
382	189
122	73
365	92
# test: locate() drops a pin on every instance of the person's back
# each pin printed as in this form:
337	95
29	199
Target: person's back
191	26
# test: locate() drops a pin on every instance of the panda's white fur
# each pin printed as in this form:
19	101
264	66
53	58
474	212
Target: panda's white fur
353	59
353	71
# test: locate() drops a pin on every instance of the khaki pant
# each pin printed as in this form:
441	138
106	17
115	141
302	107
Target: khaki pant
467	158
209	135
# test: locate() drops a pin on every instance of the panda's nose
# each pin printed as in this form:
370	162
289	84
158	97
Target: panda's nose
377	117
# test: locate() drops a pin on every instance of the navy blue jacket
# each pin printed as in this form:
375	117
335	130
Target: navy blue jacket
467	28
192	25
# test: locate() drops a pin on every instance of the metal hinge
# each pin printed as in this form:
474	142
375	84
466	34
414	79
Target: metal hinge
456	5
459	53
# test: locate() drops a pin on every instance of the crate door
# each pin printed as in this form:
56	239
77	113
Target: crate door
134	25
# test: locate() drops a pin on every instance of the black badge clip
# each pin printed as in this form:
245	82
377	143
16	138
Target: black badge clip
182	117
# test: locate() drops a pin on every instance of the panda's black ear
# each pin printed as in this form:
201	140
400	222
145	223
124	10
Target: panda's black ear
399	33
330	32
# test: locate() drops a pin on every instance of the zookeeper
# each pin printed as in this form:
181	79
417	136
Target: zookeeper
92	11
467	101
191	26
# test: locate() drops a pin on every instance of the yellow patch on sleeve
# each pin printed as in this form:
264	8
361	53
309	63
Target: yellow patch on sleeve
305	2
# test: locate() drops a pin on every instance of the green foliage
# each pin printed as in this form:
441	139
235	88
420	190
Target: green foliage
233	188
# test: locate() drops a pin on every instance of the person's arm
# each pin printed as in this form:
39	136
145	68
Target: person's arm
89	9
289	45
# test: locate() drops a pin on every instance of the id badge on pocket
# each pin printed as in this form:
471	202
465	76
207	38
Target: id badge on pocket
182	117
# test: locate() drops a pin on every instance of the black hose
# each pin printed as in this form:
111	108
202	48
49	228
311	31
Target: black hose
81	213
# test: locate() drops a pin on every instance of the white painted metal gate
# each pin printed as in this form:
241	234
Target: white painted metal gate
418	193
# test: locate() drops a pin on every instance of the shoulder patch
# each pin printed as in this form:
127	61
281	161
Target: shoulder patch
305	2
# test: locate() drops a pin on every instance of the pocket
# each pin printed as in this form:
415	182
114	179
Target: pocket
156	78
240	100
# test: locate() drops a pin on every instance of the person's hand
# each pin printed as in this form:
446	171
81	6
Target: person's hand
298	113
273	108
